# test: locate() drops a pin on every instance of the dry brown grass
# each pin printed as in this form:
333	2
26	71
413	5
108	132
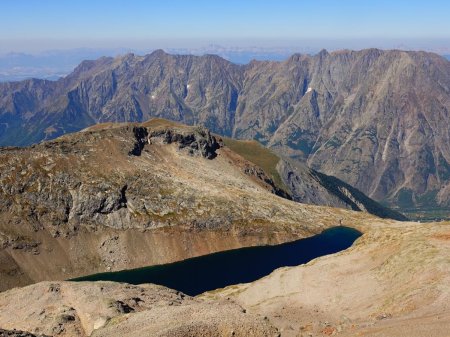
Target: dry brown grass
258	155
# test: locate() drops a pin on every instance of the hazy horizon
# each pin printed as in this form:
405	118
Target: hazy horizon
47	39
439	46
56	63
33	27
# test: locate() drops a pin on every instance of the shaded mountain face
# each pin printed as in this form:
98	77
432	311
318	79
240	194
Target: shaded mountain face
309	186
375	119
306	185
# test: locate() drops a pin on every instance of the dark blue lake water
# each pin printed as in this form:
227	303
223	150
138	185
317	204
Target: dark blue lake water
199	274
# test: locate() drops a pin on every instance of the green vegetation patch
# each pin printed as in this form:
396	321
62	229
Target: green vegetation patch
427	200
404	198
428	214
258	155
443	168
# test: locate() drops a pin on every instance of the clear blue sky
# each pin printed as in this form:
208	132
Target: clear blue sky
78	23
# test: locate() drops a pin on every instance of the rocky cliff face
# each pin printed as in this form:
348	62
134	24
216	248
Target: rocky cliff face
372	119
375	119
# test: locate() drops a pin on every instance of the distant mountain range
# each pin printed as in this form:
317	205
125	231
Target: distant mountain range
53	64
375	119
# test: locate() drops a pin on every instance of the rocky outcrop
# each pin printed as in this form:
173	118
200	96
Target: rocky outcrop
17	333
141	135
199	142
117	309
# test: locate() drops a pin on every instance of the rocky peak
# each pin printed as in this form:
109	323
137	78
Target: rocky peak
323	53
158	53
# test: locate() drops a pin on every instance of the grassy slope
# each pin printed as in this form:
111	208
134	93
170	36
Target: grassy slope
258	155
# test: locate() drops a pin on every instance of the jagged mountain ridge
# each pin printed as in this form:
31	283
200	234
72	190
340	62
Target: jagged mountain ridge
376	119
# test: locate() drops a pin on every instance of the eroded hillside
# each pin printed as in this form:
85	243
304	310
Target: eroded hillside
119	196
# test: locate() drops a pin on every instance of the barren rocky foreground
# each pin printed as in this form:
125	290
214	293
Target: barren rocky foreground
114	309
394	281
